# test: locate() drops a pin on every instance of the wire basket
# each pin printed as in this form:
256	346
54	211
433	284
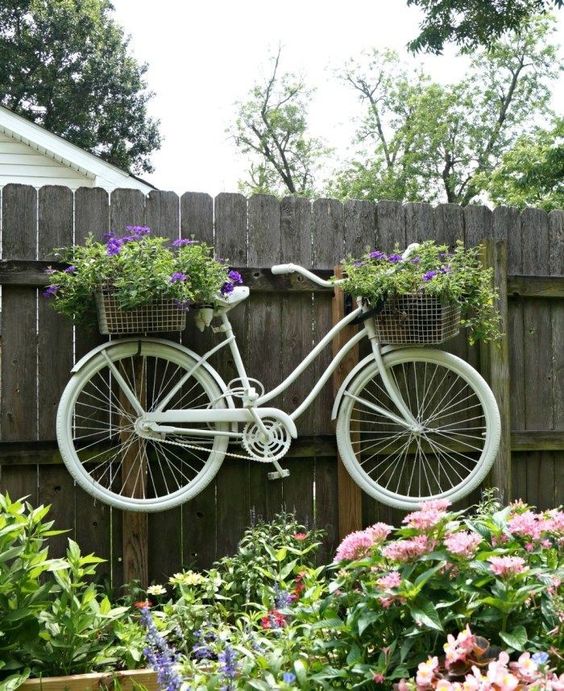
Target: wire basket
161	315
417	318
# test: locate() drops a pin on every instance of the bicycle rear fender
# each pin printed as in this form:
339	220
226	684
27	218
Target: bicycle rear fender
351	375
110	344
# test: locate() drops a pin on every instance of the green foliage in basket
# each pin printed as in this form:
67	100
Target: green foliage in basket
140	268
453	276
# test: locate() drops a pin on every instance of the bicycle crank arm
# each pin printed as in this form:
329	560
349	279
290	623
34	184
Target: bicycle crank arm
227	415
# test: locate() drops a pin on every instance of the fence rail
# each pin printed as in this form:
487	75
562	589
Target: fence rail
284	315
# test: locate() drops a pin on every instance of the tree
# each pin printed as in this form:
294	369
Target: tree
271	128
64	64
472	23
428	142
532	172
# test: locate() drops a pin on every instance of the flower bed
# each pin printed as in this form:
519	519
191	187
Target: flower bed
450	600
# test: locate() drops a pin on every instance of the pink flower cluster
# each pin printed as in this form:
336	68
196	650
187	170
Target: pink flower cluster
527	672
430	514
537	527
360	543
507	566
458	648
463	543
407	550
390	581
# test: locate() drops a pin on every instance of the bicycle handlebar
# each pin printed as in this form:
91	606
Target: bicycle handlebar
295	268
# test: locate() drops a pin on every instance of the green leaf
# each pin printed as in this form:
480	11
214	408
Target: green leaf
301	671
365	620
426	615
516	639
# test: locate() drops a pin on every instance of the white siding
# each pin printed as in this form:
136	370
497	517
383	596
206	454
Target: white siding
20	163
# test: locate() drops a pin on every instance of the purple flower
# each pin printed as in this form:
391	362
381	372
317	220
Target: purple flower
182	304
178	277
282	598
113	246
394	258
289	677
182	242
445	269
160	656
357	264
228	665
70	269
540	658
235	277
415	260
137	232
202	652
227	288
51	291
49	271
377	255
429	275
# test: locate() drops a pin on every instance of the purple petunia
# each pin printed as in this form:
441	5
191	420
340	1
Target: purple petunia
178	277
113	246
394	258
182	241
377	255
227	288
235	277
51	291
429	275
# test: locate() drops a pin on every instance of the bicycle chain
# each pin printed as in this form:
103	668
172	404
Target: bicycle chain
202	448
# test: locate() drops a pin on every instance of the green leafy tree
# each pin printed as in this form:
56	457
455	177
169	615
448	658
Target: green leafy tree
422	141
272	130
532	172
471	23
64	64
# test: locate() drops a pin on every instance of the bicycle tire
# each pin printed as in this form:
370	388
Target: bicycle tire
96	428
402	468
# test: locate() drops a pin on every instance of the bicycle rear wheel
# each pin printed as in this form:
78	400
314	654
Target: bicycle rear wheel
447	457
100	440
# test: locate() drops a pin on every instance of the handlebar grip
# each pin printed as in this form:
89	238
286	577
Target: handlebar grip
283	269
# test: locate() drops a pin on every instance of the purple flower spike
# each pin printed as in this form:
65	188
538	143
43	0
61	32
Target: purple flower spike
70	270
235	277
394	258
137	231
177	277
182	242
377	255
51	291
227	288
429	275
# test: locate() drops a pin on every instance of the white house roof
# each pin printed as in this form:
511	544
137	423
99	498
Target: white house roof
51	145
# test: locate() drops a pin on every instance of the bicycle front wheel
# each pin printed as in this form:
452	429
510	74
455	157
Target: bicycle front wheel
450	452
103	446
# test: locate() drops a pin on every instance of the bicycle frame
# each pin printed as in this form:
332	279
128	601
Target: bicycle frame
253	404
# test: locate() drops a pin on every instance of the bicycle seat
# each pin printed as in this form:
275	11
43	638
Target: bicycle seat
238	294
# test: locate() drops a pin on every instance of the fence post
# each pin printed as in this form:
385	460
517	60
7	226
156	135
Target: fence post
494	357
348	492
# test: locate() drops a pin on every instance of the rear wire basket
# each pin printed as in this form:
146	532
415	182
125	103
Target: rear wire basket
417	318
161	315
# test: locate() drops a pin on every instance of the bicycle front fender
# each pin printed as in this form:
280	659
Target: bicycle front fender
190	353
351	375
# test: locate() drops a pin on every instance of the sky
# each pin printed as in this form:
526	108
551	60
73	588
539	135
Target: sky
204	57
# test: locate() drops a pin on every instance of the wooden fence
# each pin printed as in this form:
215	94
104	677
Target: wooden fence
276	328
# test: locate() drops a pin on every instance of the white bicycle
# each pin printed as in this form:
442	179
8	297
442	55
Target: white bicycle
144	423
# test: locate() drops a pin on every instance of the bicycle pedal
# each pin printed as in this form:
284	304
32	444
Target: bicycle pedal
278	474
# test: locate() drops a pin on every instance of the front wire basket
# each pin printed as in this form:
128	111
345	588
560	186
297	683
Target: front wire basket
159	316
417	318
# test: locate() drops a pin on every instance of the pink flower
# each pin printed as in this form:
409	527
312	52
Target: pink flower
526	525
463	543
390	580
526	667
426	671
355	546
378	678
430	514
379	531
405	550
507	566
457	649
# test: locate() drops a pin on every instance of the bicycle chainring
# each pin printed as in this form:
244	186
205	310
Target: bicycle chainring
270	448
